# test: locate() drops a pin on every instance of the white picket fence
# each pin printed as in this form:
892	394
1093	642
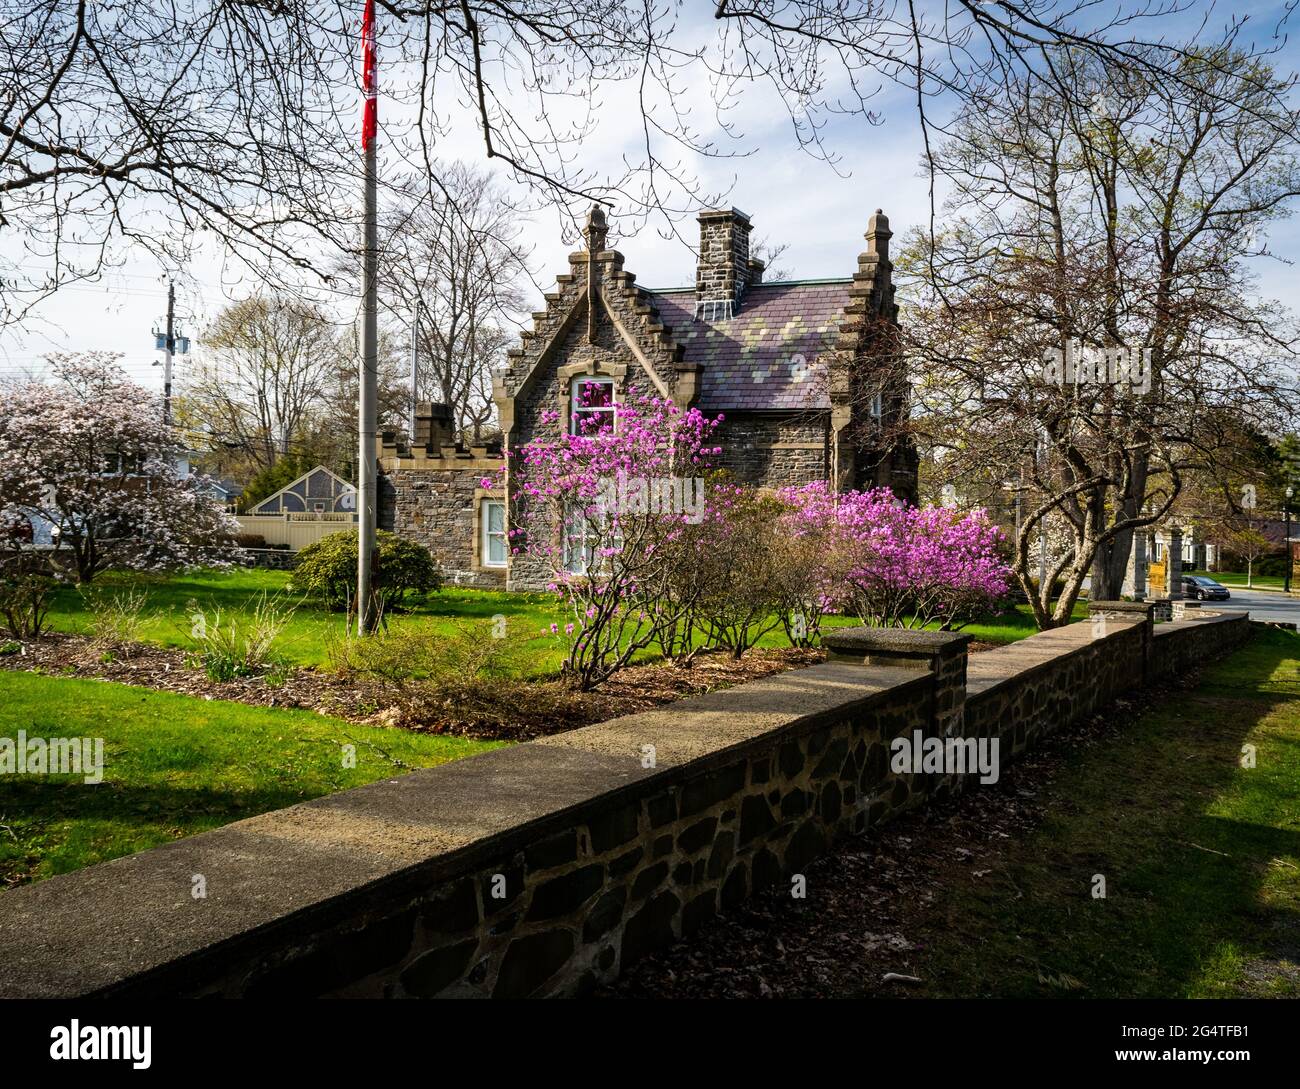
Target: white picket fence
295	528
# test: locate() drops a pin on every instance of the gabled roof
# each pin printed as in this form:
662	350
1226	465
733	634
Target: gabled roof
318	484
767	357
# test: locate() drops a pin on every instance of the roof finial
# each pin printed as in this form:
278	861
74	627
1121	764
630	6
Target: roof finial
878	235
596	229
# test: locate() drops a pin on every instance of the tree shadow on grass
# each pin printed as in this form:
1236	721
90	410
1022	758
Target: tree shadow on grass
57	825
1202	886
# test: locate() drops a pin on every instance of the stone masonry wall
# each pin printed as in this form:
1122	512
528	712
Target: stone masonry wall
1185	644
438	507
774	451
543	868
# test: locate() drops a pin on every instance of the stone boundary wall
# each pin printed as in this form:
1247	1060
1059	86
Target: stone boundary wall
1021	692
1185	644
543	868
274	559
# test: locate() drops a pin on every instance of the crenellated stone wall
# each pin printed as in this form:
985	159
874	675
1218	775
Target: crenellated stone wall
543	868
438	502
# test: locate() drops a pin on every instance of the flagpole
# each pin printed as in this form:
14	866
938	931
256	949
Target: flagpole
367	489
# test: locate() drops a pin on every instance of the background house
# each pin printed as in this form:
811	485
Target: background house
318	503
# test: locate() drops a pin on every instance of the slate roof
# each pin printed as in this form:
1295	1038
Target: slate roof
769	355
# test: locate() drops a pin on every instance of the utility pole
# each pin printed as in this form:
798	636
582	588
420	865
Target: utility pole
1288	495
367	485
168	351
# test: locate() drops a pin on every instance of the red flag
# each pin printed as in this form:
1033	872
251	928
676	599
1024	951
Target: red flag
369	76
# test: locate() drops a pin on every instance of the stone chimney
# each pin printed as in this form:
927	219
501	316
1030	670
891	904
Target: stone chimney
724	269
433	428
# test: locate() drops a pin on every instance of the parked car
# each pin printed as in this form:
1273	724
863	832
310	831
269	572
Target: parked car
1199	588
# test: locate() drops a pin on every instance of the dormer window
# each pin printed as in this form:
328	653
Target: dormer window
591	405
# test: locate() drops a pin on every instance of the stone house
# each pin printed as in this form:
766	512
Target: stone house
806	374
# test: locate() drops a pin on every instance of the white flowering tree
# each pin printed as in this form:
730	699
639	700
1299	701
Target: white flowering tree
88	454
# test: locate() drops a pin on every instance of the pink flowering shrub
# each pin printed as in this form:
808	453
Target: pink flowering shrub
895	565
603	509
740	596
646	545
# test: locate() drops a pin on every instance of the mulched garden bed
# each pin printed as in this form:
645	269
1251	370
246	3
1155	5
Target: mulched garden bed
495	710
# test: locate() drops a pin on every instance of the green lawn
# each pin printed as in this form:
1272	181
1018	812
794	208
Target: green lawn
174	765
307	637
1015	624
1201	857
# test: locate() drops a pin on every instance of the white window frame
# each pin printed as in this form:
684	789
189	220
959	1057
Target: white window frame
579	540
877	406
586	540
576	410
487	533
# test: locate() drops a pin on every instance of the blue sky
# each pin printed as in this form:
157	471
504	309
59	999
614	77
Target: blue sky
820	212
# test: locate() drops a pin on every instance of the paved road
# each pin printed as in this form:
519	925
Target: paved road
1263	604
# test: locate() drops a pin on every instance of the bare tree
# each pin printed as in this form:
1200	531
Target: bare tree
159	126
267	363
1103	215
455	269
333	420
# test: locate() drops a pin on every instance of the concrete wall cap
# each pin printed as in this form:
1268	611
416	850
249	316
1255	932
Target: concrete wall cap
1120	606
913	640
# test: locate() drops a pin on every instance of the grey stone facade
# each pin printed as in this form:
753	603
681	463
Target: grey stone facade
434	492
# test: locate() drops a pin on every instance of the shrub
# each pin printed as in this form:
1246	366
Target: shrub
741	601
328	570
603	528
808	571
116	616
463	678
900	566
25	587
240	644
250	540
416	651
